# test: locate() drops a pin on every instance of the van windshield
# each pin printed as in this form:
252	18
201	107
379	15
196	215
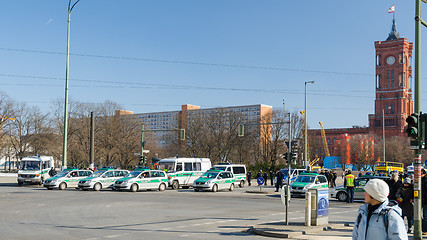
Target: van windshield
168	166
29	165
133	174
210	175
97	173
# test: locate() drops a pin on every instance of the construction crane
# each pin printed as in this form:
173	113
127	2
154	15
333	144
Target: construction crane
325	143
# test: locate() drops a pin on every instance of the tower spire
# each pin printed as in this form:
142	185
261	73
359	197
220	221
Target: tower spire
393	34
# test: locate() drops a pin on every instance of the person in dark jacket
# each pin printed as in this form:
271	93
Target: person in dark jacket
249	177
279	180
424	200
265	176
271	177
394	184
405	197
52	172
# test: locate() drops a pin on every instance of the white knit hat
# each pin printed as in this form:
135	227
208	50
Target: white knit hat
378	189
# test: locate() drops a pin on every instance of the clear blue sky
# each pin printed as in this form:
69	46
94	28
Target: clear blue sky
154	56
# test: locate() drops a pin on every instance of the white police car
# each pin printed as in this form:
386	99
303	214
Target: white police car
67	178
215	180
142	179
103	178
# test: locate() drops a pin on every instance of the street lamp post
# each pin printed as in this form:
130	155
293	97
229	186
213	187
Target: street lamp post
65	140
384	134
305	124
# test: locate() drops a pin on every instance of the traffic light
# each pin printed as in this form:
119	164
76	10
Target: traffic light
182	134
413	127
293	156
241	130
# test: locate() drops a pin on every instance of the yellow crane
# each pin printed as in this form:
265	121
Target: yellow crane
325	143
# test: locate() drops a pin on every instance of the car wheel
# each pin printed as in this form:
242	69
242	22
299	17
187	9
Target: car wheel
162	187
242	184
231	187
342	196
175	185
97	186
215	188
62	186
134	187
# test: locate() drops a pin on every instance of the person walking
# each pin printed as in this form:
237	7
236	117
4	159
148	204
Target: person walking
279	180
405	197
249	177
349	185
271	178
394	185
334	178
424	200
265	176
378	218
52	172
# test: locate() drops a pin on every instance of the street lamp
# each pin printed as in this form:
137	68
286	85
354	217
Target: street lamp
384	134
65	140
305	124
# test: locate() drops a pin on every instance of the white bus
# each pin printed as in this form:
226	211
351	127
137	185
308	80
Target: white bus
34	169
183	171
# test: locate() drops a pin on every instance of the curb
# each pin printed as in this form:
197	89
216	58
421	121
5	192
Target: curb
292	233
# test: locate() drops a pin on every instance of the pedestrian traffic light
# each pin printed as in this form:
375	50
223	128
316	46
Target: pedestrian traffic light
413	128
182	134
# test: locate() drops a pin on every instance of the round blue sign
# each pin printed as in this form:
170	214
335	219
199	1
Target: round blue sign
260	181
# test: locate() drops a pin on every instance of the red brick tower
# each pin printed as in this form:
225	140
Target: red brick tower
393	84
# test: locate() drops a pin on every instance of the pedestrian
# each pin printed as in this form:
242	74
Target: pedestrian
259	175
378	218
405	197
360	173
394	185
271	178
328	177
52	172
424	200
343	174
334	178
265	176
349	185
279	180
249	177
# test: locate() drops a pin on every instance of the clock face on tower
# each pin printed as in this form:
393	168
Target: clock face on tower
390	60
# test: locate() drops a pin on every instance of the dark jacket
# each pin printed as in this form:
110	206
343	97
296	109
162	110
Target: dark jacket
406	199
394	188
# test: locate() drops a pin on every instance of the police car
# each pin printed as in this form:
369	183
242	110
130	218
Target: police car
142	179
304	181
67	178
215	180
103	178
340	192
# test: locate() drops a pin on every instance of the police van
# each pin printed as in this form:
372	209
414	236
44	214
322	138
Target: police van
66	179
183	171
238	170
103	178
34	169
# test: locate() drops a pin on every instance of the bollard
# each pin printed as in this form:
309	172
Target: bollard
307	209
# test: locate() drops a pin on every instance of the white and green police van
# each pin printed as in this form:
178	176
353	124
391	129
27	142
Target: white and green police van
214	180
66	179
34	169
183	171
142	179
305	181
103	178
238	170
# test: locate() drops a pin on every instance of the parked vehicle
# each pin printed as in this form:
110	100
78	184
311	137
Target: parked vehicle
183	171
34	169
66	179
238	170
142	179
294	173
304	181
340	192
214	180
103	178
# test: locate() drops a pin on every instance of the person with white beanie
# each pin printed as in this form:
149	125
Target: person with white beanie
379	218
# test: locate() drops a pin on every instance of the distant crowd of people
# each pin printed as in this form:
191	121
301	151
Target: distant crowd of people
276	178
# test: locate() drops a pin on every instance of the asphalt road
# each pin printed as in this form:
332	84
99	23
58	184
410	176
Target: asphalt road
33	212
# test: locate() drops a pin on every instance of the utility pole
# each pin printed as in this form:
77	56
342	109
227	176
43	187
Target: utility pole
92	141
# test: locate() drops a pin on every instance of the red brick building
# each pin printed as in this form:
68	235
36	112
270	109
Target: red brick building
393	92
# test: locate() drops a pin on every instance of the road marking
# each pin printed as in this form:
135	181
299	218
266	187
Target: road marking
113	236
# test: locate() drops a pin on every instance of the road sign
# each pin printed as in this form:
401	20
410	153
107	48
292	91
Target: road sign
137	154
145	151
260	181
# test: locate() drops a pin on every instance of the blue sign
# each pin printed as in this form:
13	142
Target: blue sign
322	203
260	181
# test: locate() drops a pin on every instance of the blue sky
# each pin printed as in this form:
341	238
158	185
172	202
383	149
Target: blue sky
154	56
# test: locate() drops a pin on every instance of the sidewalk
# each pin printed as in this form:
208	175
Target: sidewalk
333	230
